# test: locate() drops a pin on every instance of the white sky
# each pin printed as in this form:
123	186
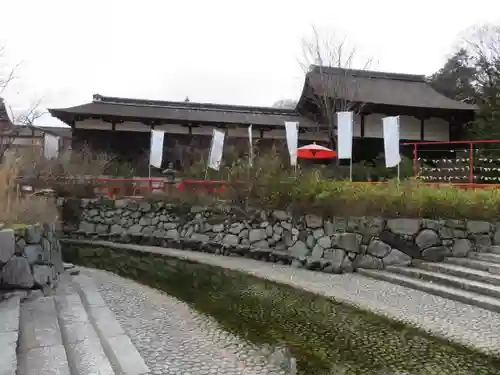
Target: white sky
220	51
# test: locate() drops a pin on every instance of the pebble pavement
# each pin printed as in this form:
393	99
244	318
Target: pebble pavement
174	339
458	322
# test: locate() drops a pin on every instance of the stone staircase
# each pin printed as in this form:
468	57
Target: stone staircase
474	280
69	332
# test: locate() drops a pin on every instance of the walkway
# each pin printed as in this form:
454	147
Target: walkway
465	324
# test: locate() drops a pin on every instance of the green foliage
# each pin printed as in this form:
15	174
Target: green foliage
269	184
323	334
472	75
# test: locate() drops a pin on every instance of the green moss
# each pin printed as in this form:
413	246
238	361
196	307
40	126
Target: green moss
322	334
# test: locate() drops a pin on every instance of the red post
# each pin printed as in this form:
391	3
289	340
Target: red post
415	160
471	163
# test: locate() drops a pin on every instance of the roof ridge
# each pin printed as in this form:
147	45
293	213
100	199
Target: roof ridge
368	73
97	98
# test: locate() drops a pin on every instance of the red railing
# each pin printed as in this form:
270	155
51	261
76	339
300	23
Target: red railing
469	146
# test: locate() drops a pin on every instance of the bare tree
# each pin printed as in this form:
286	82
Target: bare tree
483	46
285	104
14	122
334	92
7	74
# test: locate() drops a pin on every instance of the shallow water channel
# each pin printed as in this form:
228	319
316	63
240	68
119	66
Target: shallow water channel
325	337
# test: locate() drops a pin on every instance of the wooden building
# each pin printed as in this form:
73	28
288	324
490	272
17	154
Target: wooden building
15	136
122	125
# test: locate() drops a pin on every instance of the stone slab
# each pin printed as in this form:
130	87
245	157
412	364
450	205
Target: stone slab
38	324
479	287
117	345
87	357
105	322
9	314
126	356
71	309
78	331
17	272
50	360
8	357
459	271
93	298
7	245
43	275
470	298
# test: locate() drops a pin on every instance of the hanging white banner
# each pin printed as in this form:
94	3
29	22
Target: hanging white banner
216	149
391	141
250	145
50	146
156	151
344	135
292	139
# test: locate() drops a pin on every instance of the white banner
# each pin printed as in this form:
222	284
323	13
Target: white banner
50	146
215	157
250	145
391	141
156	151
292	139
344	135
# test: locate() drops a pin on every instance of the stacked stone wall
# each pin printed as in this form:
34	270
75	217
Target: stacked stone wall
30	257
335	245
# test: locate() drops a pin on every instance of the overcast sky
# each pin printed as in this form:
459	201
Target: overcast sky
219	51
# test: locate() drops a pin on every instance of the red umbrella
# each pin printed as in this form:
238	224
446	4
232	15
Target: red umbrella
314	151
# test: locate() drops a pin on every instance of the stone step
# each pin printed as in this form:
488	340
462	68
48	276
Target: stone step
459	271
83	346
448	280
40	347
470	298
120	350
9	332
470	263
486	257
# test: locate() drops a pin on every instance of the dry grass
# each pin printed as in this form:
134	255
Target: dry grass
17	209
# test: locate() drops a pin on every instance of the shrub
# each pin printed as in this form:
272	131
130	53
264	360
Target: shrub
271	183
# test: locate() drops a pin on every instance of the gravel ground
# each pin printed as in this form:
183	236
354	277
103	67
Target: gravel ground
174	339
458	322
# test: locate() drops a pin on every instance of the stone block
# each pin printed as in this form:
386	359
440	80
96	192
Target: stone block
86	227
17	272
427	238
7	245
436	253
396	257
313	221
461	247
34	234
257	235
478	227
349	241
378	248
367	261
43	275
404	226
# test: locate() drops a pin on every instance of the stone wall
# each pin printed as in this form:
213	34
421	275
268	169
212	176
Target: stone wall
30	257
336	245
